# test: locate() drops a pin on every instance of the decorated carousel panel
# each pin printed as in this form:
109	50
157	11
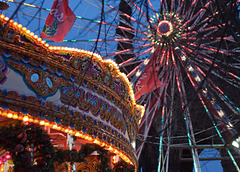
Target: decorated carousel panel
62	108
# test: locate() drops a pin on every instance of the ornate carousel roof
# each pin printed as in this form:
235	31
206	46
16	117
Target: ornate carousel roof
66	89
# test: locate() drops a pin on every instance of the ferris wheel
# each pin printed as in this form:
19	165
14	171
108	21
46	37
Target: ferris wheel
182	58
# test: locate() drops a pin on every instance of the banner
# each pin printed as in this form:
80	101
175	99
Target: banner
59	21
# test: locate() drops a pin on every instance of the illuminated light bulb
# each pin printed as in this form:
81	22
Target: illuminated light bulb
30	120
77	134
20	117
9	115
7	156
31	33
2	16
28	31
50	48
46	124
42	122
43	42
235	144
25	118
25	122
39	39
70	131
183	58
35	121
138	73
15	23
46	45
190	68
4	113
19	25
35	36
197	78
54	126
24	28
6	18
15	116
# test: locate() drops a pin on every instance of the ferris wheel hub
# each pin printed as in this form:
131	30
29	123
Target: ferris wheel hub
164	28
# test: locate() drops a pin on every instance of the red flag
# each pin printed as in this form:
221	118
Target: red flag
148	80
59	21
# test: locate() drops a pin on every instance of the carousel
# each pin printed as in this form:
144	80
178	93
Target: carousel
62	109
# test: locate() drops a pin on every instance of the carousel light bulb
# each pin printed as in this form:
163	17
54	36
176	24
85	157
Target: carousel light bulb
9	115
25	119
15	116
42	122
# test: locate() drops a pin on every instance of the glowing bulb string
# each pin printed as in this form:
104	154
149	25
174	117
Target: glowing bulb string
186	115
208	112
222	96
15	12
210	62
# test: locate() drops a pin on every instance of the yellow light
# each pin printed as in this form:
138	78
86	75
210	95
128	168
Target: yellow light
66	130
6	18
25	118
77	134
46	124
15	23
24	28
35	36
15	116
4	113
42	122
28	31
35	121
19	25
9	115
20	117
39	39
96	141
31	33
30	119
54	126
